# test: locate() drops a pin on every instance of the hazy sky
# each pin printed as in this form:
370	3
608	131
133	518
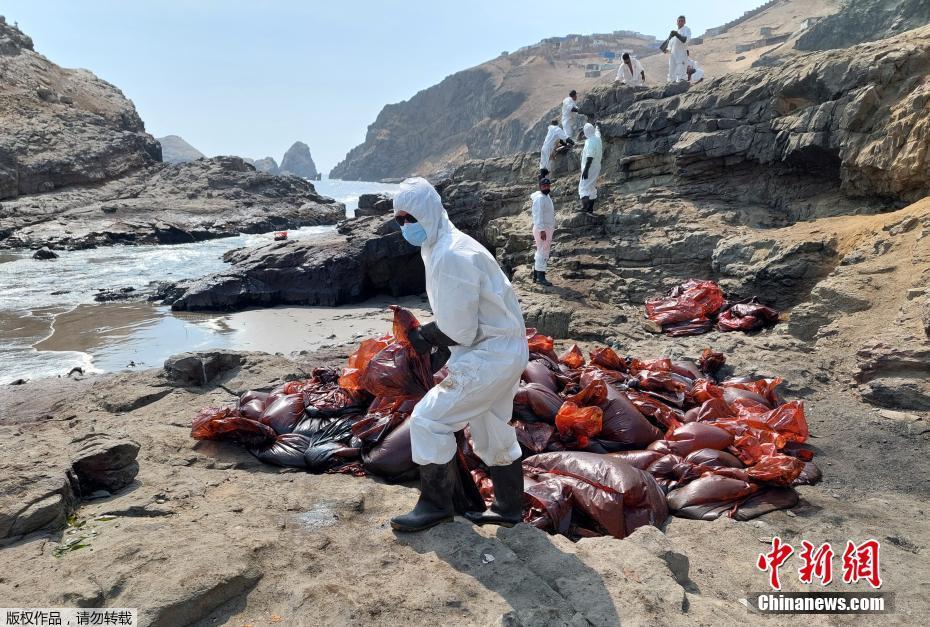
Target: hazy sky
251	77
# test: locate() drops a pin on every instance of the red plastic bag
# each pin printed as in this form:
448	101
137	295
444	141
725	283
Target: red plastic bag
533	436
691	300
711	361
284	413
213	423
776	469
746	317
572	357
788	420
579	423
535	403
351	378
539	343
616	496
607	359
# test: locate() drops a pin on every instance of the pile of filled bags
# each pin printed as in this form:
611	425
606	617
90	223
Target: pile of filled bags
696	307
610	443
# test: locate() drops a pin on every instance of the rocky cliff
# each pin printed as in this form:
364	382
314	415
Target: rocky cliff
496	108
864	20
175	150
77	169
297	160
61	127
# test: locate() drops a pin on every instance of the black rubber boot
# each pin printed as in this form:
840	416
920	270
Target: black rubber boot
585	201
435	504
535	276
507	509
542	280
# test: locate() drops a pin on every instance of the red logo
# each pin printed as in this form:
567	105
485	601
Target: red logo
772	561
860	562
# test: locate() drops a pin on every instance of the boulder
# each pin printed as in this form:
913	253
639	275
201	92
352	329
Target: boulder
374	205
44	253
367	256
199	369
267	165
104	462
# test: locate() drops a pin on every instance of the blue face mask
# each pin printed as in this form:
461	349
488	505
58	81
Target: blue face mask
414	233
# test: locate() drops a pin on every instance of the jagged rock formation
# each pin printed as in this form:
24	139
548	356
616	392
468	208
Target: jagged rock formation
864	20
297	160
62	127
366	256
166	204
175	150
496	108
267	165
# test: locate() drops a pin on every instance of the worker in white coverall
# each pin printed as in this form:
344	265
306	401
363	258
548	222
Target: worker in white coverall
554	135
677	52
631	71
569	109
591	156
694	70
543	230
478	316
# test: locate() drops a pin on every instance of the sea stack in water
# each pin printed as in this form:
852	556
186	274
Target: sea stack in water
297	160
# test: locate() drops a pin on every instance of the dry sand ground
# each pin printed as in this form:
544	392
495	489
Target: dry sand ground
208	535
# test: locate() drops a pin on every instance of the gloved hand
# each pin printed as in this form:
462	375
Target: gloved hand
439	358
570	141
431	333
419	343
673	33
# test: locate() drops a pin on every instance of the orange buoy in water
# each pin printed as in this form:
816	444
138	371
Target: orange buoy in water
280	236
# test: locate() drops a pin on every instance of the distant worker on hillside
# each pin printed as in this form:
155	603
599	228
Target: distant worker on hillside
695	73
568	113
543	230
631	71
591	167
678	52
476	315
555	138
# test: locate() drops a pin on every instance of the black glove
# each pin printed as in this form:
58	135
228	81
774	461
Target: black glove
438	359
419	343
673	33
574	109
570	141
434	336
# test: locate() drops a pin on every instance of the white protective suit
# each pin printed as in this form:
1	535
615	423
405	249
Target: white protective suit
678	56
634	77
543	222
568	118
474	304
553	135
592	148
698	73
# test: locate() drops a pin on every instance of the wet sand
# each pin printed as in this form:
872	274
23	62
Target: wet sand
117	336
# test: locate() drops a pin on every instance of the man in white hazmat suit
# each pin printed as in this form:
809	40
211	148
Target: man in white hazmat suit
543	230
568	113
678	52
476	314
554	134
591	156
631	71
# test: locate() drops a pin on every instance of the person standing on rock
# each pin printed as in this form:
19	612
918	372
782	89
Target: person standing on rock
543	230
555	135
591	156
478	317
678	52
568	112
631	71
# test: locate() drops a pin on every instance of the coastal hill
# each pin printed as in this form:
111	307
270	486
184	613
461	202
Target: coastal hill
502	106
496	108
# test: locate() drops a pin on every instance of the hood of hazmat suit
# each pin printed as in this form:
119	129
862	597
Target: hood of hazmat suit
470	296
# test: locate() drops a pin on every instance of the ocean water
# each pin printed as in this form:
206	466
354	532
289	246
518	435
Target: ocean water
50	323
